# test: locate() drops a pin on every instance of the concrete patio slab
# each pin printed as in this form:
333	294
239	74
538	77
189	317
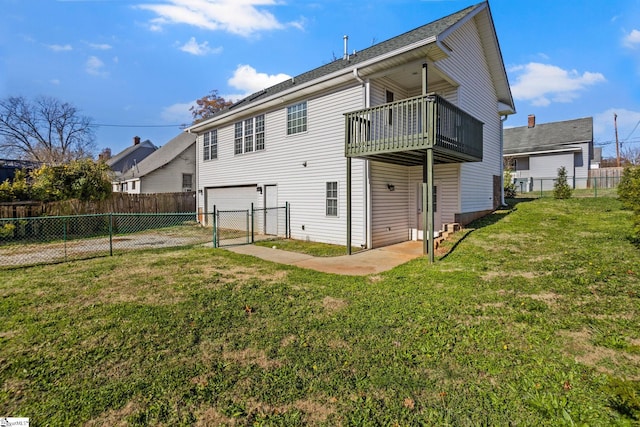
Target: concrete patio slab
359	264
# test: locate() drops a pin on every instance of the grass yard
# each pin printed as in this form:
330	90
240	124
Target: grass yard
531	319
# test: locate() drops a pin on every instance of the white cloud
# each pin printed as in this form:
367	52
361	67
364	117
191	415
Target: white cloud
603	127
95	67
246	78
238	17
100	46
632	40
542	84
178	113
60	48
200	49
55	82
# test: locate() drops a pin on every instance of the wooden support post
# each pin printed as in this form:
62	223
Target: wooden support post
348	205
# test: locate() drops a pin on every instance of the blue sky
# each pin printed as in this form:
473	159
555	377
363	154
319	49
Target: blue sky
137	65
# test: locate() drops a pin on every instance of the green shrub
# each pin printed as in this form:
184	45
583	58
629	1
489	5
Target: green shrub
561	189
7	230
629	194
624	397
510	189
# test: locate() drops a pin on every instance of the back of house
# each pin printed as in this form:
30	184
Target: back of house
347	145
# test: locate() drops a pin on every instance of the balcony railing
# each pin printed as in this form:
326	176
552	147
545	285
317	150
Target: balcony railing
404	126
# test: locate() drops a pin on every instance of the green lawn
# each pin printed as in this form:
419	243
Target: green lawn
531	319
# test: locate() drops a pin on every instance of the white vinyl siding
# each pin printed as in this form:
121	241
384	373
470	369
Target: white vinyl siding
546	169
169	178
475	95
447	176
389	209
320	148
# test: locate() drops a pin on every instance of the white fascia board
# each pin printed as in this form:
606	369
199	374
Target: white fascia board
531	153
280	97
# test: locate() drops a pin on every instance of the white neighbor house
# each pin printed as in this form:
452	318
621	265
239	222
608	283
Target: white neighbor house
366	118
536	152
169	169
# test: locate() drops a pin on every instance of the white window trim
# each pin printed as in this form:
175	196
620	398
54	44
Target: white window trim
241	139
306	119
337	199
208	150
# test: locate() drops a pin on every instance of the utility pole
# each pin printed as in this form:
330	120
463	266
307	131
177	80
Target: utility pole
615	126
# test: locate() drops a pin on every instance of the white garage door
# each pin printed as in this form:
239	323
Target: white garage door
231	198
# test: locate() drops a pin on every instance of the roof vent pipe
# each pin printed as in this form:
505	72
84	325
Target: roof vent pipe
345	56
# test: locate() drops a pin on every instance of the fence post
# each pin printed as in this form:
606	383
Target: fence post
286	220
252	224
595	187
541	184
110	233
215	227
248	225
64	234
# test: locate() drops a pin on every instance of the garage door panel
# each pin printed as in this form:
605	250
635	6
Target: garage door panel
231	198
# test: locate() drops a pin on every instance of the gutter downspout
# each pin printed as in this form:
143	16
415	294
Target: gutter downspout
366	203
502	120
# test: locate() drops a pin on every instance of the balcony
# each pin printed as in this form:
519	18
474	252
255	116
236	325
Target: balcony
401	132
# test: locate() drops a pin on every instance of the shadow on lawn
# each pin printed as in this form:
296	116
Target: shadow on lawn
487	220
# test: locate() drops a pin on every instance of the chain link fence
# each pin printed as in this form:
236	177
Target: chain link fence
582	187
238	227
42	240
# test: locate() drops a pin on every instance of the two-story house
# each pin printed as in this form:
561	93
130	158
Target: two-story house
361	147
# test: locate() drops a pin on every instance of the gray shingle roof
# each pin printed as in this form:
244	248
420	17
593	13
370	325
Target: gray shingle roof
162	155
421	33
125	159
547	136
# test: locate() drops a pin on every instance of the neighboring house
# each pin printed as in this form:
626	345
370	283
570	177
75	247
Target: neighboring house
349	144
536	152
169	169
128	158
8	168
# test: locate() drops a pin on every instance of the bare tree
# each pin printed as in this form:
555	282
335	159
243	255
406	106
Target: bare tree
44	130
631	155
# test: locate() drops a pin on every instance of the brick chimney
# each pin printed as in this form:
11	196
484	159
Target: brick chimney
105	154
136	140
532	120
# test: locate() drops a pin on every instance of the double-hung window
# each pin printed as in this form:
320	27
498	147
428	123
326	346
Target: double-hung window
210	145
332	198
249	135
297	118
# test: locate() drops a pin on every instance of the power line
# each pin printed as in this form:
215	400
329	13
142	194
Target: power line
181	126
634	129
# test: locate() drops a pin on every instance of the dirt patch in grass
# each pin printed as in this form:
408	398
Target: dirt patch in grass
115	417
210	416
548	298
250	356
491	275
315	412
333	304
579	346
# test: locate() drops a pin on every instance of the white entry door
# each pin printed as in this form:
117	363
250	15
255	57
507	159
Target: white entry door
271	215
416	229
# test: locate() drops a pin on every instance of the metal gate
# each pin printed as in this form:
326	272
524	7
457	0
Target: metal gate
245	226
